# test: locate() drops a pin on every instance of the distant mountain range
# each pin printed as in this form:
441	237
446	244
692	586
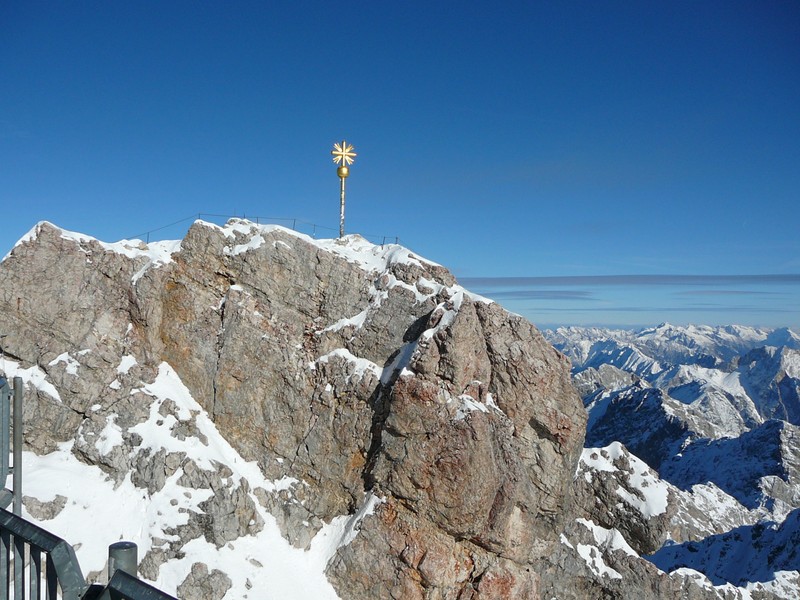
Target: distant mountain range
715	412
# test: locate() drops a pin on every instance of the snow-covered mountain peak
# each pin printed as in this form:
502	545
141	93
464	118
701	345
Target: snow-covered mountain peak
248	235
153	254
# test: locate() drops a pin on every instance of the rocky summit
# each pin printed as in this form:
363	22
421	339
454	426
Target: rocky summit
269	415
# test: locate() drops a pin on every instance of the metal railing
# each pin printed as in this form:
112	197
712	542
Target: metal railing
58	571
299	225
6	443
52	570
124	586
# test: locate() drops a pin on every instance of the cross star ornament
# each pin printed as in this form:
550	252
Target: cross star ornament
343	154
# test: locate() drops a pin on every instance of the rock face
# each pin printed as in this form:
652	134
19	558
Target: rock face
344	370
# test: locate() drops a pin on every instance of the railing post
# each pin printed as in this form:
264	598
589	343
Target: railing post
19	567
17	509
123	556
6	393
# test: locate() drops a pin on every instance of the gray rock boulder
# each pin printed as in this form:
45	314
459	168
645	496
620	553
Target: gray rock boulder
202	585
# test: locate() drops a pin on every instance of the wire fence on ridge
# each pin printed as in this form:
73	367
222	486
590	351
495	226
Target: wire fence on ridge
301	226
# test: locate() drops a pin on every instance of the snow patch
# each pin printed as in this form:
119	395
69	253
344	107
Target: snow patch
110	437
356	321
156	254
33	376
125	364
255	242
71	365
362	365
353	248
594	559
468	404
565	541
608	539
339	532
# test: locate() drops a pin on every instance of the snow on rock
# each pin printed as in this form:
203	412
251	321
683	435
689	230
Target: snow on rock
356	321
155	254
744	556
594	559
70	364
99	511
372	258
110	437
255	242
125	364
33	376
649	495
701	405
606	540
725	590
468	404
353	248
361	365
706	510
740	465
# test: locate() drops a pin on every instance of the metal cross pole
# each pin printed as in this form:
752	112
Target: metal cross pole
343	156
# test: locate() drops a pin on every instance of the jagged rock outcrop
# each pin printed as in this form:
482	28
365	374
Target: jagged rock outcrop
202	585
605	377
343	370
408	438
618	491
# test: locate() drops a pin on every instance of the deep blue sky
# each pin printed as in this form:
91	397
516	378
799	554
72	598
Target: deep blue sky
517	139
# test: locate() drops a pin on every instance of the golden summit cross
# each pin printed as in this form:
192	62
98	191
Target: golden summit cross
343	156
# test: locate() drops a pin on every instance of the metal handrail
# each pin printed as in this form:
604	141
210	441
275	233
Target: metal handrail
124	586
61	568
